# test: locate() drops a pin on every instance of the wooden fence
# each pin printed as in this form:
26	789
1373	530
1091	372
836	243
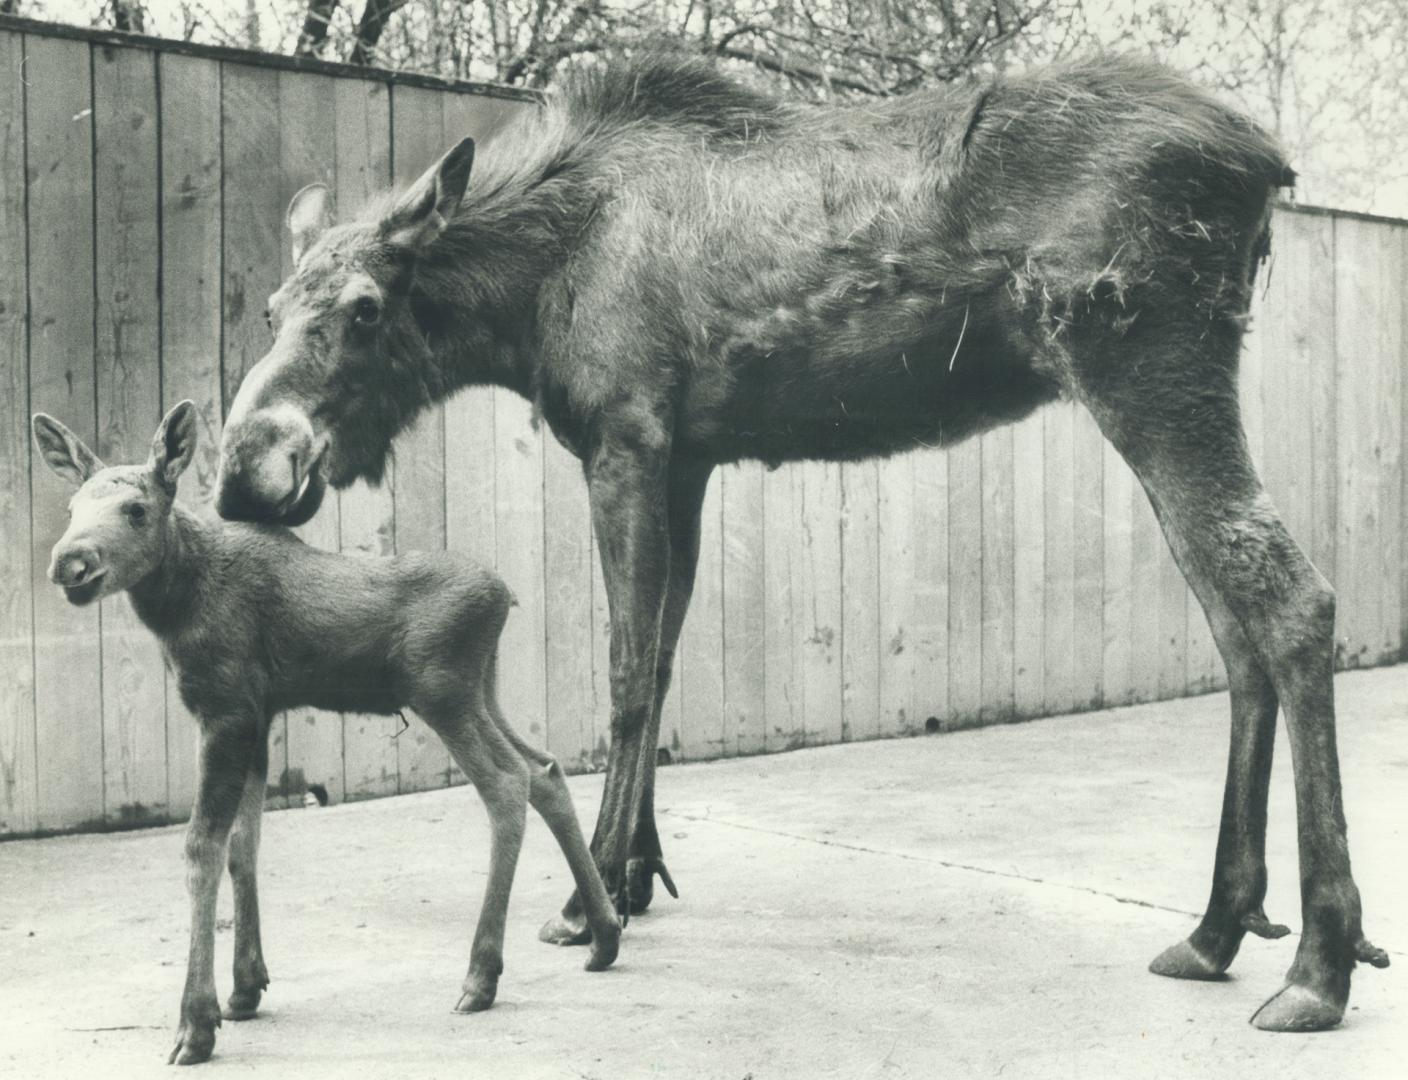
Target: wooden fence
142	191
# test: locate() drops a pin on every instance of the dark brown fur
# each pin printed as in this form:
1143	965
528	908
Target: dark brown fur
682	272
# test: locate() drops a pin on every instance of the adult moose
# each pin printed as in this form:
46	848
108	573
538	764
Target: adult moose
681	272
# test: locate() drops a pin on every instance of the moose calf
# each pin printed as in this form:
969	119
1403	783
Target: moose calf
254	621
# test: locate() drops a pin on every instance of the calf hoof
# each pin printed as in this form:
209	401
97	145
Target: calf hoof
193	1046
243	1005
479	993
606	943
565	930
1185	961
1298	1008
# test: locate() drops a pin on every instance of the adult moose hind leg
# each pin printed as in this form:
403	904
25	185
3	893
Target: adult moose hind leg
627	476
1167	398
1239	870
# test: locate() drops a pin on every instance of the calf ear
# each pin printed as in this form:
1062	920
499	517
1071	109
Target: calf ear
421	214
63	450
174	444
309	215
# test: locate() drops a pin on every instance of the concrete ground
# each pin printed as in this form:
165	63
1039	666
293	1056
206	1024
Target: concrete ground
964	905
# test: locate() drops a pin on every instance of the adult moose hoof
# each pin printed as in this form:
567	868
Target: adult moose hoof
242	1005
479	993
193	1045
640	881
565	930
1186	961
1297	1008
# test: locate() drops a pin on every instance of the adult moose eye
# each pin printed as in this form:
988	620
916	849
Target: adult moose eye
366	311
137	513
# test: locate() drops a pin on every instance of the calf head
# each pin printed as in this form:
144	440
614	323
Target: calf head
347	369
119	519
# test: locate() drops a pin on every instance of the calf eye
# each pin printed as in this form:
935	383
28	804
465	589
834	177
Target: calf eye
136	513
268	318
366	311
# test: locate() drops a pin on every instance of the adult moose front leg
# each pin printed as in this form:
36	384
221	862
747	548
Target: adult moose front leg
687	484
627	479
226	757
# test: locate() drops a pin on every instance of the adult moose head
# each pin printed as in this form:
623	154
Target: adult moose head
350	364
682	272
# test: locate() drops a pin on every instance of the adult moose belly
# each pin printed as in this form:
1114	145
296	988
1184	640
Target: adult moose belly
820	382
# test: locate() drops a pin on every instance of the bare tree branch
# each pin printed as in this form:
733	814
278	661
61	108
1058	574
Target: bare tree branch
370	27
315	28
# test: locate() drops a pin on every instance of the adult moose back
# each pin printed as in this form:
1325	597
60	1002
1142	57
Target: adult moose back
681	272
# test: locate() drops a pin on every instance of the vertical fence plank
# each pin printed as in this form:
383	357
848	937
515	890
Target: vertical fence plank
67	659
860	600
567	600
744	615
1117	489
1368	346
817	605
18	792
308	154
965	583
1088	543
932	565
518	539
782	680
998	547
1058	628
191	321
1147	546
418	132
1029	557
701	647
254	245
128	385
1173	624
1306	263
898	588
366	522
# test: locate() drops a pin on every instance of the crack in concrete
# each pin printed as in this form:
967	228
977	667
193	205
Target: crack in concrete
950	865
945	863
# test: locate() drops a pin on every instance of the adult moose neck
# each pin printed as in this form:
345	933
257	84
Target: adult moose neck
477	288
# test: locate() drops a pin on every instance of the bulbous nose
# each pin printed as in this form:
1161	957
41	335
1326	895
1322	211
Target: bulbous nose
265	461
72	565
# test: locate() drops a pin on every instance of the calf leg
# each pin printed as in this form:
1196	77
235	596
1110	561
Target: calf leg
1173	415
227	755
500	776
251	977
1239	870
548	795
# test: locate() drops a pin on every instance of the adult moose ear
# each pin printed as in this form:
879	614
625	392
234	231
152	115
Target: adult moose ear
63	450
421	214
309	215
174	444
